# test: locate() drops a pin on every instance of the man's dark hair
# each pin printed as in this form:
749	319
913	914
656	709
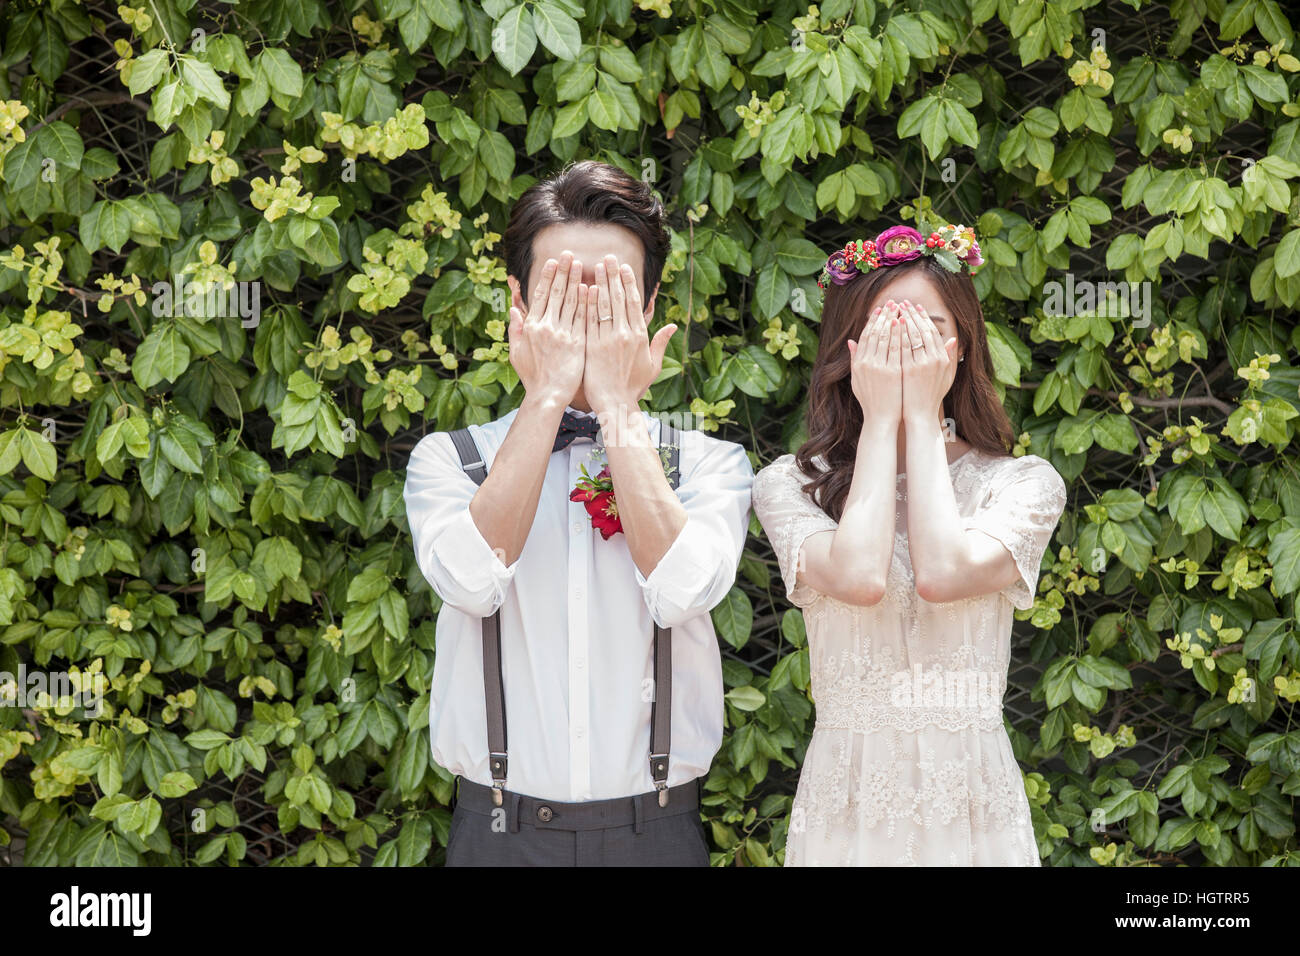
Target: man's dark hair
588	191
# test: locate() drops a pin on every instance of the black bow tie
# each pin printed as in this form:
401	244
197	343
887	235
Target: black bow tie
573	426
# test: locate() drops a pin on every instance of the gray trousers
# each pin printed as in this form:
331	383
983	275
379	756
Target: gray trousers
528	831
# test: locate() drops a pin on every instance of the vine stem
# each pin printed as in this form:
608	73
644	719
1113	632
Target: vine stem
1191	400
90	99
690	310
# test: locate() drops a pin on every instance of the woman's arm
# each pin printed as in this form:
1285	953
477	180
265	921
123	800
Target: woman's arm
948	562
851	563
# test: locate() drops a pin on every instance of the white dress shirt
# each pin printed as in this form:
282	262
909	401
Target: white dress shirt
576	628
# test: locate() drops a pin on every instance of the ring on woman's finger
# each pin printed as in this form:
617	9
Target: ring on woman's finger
607	318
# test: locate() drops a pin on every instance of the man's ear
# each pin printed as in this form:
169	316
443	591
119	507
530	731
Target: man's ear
650	304
516	296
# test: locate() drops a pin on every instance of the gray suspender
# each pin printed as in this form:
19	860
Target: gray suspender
661	716
494	687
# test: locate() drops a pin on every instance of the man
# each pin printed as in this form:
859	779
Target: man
574	781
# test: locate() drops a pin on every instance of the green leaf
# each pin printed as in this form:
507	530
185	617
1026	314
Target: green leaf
368	585
747	698
201	78
771	292
22	165
800	257
107	223
146	70
755	371
60	142
733	618
37	453
603	110
163	355
50	53
557	30
1286	259
181	450
415	25
10	453
207	739
514	39
282	74
1284	556
177	783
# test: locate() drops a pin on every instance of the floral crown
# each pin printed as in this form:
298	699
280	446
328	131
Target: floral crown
952	246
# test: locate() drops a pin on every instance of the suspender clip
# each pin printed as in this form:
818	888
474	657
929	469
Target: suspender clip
497	764
659	771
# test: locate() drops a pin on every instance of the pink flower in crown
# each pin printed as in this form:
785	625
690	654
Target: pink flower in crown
838	269
898	244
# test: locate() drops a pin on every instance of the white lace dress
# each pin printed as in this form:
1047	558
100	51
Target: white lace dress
909	762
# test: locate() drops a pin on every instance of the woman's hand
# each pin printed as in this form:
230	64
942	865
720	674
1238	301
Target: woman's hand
929	366
876	367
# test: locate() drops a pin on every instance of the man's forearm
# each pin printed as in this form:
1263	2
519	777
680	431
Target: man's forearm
505	504
650	512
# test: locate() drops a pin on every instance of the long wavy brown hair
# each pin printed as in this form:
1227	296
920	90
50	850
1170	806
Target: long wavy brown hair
834	415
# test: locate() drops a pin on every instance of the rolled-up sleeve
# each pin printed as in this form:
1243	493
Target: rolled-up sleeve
699	567
453	556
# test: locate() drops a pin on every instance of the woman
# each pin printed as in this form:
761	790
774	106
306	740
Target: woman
907	534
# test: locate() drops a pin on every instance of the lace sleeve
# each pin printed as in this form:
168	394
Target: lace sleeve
1021	509
788	516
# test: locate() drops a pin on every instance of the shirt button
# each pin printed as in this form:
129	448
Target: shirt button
577	595
581	662
544	814
579	732
577	527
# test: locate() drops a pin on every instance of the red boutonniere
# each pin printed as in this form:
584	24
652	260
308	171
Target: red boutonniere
597	496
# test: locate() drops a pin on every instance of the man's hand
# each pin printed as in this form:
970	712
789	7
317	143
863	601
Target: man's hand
548	346
621	361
